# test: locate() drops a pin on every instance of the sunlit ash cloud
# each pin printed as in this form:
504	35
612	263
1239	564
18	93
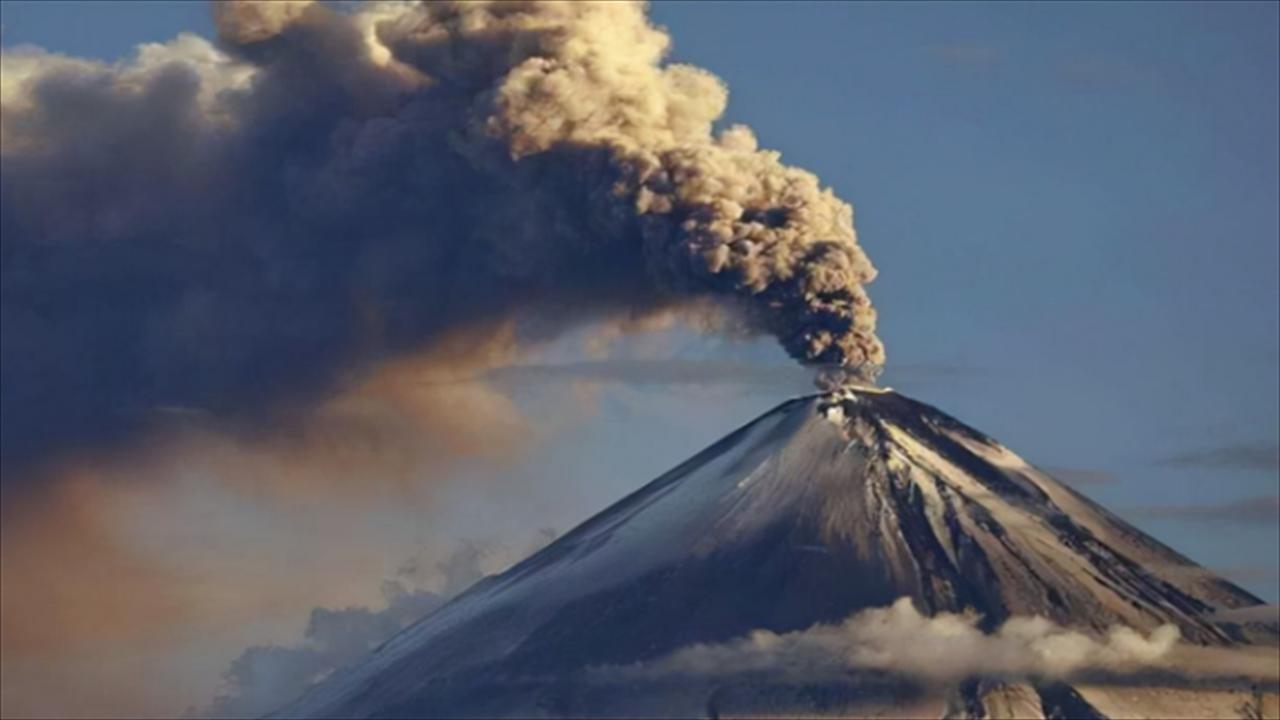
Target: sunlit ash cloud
237	230
268	259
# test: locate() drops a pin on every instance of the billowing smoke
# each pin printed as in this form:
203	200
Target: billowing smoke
241	229
945	647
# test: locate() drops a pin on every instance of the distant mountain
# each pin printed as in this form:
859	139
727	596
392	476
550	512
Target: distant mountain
824	507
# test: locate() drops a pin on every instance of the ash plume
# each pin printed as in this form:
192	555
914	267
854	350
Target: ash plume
242	228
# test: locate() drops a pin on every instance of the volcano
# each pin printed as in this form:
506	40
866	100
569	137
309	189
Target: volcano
824	507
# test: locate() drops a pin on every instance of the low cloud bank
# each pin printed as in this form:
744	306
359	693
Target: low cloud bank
266	677
898	638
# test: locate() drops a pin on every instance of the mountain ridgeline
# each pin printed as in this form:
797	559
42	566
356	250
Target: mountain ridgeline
825	507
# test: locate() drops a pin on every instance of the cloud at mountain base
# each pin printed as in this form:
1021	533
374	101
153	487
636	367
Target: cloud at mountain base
944	648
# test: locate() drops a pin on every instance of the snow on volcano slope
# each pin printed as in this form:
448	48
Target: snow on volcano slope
823	507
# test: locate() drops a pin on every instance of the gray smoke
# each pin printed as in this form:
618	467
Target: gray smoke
240	229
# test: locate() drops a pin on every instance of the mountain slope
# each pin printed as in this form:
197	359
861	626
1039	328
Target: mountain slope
825	506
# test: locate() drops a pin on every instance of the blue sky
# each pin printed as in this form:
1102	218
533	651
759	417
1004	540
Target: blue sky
1072	206
1074	202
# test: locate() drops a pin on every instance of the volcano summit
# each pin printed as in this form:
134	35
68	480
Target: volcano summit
841	533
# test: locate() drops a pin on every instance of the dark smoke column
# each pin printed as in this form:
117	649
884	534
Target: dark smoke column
606	147
718	215
237	229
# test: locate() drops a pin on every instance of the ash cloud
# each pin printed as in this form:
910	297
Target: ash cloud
944	648
677	371
663	372
241	230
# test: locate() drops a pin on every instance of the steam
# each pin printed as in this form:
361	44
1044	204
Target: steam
240	229
946	647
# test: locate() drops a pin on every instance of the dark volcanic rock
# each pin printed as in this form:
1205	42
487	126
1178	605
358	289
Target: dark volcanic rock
825	506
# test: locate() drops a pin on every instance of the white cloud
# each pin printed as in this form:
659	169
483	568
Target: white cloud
899	638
